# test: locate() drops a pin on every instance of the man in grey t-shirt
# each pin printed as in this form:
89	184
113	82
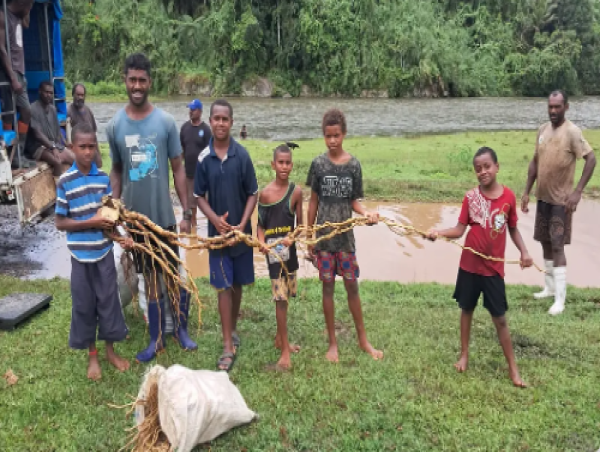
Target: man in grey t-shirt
143	141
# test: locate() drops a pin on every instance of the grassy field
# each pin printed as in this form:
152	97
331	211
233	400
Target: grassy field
432	168
412	400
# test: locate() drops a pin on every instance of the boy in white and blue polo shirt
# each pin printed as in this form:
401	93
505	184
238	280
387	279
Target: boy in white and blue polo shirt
94	287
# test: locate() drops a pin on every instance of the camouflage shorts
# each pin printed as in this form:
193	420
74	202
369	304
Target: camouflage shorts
284	287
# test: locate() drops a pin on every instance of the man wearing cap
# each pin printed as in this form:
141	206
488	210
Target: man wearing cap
195	136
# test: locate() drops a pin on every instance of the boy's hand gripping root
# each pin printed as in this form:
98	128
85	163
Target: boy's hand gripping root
526	260
221	224
372	217
100	222
432	235
263	248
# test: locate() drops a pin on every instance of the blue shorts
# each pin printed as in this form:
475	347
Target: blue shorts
227	271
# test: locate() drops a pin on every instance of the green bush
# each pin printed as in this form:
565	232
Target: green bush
464	48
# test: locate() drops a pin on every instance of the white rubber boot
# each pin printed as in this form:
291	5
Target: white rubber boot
560	287
549	282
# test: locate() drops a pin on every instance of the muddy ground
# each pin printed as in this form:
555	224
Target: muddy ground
24	252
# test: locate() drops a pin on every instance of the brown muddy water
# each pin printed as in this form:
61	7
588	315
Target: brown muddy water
41	252
300	118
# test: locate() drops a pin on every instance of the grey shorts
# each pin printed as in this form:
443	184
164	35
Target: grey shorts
66	154
37	154
96	303
553	224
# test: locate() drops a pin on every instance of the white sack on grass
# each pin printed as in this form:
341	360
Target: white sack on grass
195	406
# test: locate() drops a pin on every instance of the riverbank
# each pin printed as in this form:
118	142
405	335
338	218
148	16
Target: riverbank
300	118
412	400
429	168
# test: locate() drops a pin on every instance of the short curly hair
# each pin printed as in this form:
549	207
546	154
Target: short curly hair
334	117
283	148
137	62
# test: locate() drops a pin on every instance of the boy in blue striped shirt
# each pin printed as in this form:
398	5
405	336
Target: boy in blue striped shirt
94	287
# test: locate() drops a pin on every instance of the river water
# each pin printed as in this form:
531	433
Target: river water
300	118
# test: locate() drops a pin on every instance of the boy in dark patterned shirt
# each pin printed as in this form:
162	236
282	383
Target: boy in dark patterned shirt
335	179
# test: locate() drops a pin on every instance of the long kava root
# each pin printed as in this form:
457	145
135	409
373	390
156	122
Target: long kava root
303	235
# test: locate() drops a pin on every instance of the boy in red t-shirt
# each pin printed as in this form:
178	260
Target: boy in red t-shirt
488	209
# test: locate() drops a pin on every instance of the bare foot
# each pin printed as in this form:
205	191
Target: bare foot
120	363
516	379
462	363
376	354
293	347
94	373
284	362
332	354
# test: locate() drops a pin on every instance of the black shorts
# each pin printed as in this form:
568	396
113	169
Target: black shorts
553	224
145	263
469	287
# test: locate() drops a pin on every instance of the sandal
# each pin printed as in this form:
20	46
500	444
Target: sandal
226	360
236	340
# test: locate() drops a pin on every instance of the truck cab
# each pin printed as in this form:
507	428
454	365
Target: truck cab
34	189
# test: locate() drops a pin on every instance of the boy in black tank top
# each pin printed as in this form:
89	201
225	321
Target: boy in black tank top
279	211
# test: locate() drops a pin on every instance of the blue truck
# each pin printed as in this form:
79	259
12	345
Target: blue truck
33	189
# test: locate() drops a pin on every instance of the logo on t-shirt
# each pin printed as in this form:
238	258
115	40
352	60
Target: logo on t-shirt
499	222
336	187
143	159
480	211
201	132
19	35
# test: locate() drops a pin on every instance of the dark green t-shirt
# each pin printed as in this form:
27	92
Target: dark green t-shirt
337	186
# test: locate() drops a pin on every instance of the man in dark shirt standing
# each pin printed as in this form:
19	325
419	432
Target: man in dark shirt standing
195	136
78	112
13	67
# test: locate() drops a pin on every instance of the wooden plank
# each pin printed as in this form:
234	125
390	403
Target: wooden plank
36	191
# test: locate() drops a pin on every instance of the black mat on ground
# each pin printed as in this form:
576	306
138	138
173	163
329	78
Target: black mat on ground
18	307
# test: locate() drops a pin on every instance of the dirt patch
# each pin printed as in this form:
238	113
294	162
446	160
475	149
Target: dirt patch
251	314
342	330
526	346
24	252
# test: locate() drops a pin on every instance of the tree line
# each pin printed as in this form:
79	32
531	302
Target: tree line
468	48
